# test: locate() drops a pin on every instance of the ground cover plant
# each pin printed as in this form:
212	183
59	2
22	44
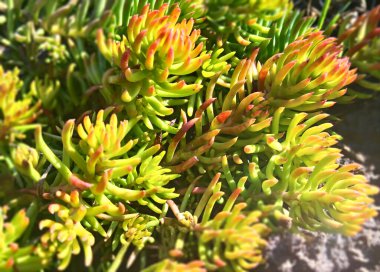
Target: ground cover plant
176	135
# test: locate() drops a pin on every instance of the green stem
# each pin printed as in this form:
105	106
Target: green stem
59	165
32	214
10	18
119	258
10	165
187	195
325	9
50	156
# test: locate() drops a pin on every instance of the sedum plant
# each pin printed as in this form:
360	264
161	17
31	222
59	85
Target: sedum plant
307	75
66	235
174	135
17	114
15	254
361	42
244	22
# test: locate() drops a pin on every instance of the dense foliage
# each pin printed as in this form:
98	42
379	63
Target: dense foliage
175	135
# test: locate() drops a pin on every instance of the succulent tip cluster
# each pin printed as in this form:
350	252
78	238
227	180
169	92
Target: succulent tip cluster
361	42
307	75
17	113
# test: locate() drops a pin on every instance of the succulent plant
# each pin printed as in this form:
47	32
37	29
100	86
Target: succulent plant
174	135
361	42
284	31
17	115
170	265
104	166
221	245
13	255
26	160
247	21
66	235
307	75
232	240
306	162
334	199
46	91
155	50
156	46
136	230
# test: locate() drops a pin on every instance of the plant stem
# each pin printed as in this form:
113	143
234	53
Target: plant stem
325	9
119	258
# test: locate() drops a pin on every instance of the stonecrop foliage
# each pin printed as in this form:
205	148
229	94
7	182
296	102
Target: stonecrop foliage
164	135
